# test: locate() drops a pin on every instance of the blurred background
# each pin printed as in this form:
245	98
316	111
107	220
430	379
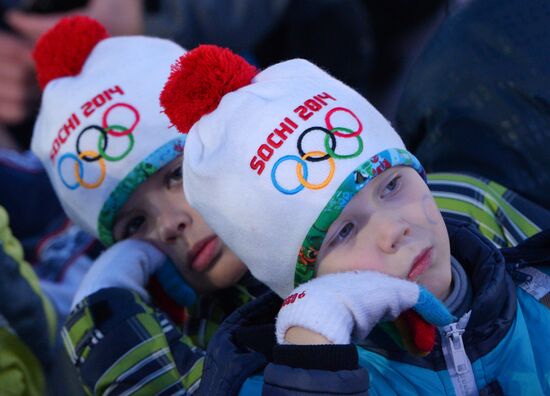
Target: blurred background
366	43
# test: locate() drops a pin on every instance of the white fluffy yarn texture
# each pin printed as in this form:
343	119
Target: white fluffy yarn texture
341	304
127	264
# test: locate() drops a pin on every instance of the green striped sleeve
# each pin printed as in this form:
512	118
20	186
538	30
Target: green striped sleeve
501	215
122	345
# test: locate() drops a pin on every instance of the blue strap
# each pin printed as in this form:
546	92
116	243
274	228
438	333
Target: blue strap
432	310
174	285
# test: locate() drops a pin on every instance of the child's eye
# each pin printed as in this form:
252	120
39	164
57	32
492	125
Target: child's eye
133	226
174	177
391	187
345	232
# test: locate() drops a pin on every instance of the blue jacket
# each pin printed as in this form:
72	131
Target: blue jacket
505	341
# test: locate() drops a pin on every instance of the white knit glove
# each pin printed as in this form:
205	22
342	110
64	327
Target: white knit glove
340	304
127	264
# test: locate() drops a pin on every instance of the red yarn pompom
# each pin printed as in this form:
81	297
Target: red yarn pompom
199	80
63	50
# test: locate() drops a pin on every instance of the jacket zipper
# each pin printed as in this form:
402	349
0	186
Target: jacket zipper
458	364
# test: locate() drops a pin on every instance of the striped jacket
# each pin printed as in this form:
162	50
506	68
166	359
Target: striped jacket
121	345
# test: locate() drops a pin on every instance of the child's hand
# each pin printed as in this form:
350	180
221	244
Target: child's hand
301	336
335	305
127	264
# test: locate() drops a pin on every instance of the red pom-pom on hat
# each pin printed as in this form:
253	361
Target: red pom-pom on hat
63	50
199	80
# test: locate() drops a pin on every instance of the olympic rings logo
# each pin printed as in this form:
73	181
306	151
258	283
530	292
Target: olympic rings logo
99	154
329	154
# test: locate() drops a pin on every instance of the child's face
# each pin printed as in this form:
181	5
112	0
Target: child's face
158	212
391	226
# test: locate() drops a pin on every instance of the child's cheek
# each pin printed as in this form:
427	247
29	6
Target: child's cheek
370	260
430	210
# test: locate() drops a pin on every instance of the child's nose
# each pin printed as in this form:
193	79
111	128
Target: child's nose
172	226
391	231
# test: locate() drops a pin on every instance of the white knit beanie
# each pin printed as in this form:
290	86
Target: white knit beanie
272	158
100	132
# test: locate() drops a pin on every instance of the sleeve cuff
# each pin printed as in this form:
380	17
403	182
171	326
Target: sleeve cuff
317	357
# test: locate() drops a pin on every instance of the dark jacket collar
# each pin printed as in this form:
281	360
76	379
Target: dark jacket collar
494	303
242	346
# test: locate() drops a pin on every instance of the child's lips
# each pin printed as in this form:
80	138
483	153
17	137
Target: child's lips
203	253
420	264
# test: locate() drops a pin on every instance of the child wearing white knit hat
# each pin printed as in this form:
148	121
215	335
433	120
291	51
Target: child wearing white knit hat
272	161
108	149
90	132
316	193
115	165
